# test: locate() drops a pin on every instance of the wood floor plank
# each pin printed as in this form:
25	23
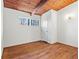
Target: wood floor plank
41	50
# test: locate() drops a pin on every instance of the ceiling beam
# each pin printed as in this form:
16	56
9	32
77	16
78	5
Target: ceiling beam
42	2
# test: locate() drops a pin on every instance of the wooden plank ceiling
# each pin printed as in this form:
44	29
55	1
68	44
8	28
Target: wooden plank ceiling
30	5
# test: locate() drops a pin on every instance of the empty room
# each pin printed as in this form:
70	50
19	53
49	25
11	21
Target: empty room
40	29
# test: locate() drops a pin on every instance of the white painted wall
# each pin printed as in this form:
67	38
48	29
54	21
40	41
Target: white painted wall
58	28
67	29
49	30
1	28
14	32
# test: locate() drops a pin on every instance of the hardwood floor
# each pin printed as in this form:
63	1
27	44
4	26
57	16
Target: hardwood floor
40	50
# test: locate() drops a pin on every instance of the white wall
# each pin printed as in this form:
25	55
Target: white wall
14	32
67	29
50	30
1	28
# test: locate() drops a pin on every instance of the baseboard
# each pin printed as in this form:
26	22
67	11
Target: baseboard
47	41
11	45
68	44
50	42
